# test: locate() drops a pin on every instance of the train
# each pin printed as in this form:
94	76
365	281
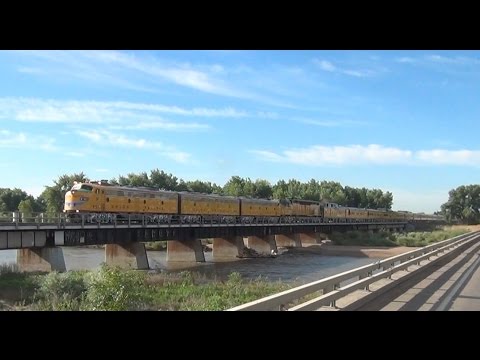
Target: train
104	202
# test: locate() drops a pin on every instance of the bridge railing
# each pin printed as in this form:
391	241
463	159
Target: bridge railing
19	220
360	278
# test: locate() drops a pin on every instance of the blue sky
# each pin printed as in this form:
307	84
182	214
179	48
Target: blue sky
401	121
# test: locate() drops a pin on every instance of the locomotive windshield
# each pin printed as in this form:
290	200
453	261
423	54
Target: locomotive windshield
82	187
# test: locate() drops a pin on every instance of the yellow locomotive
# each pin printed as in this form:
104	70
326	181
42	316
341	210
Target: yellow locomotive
104	202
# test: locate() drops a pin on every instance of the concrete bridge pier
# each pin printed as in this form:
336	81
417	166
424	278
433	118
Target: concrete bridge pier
310	238
262	244
292	240
127	256
228	247
41	259
189	250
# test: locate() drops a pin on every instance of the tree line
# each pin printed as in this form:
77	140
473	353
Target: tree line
463	205
51	200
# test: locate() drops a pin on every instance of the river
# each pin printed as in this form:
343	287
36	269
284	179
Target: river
298	267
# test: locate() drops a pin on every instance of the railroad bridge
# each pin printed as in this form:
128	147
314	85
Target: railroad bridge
39	239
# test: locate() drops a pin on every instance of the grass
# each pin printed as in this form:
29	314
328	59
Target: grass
113	289
14	285
416	238
187	292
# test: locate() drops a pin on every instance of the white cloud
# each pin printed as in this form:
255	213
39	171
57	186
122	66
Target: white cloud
436	61
457	60
74	154
107	138
268	115
358	73
30	70
330	67
406	59
178	156
21	140
162	125
450	157
106	65
268	155
142	71
325	65
330	123
337	155
116	112
319	155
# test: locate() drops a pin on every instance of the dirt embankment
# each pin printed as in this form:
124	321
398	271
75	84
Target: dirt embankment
378	252
468	227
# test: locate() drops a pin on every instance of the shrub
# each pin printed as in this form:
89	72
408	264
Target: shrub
111	288
60	291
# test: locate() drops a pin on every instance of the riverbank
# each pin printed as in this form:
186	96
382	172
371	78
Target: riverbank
328	249
110	288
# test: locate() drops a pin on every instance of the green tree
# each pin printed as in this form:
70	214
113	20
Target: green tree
463	204
200	186
162	180
332	191
263	189
11	198
295	189
40	204
26	208
248	188
312	190
134	180
181	186
234	186
54	196
3	207
353	196
280	190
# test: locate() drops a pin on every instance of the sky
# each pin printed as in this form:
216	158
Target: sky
400	121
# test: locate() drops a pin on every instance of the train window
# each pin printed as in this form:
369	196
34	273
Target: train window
162	202
103	192
108	199
85	187
129	201
144	201
194	204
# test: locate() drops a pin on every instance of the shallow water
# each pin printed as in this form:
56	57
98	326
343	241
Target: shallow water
289	267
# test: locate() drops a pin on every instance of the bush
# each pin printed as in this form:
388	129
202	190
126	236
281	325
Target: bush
61	291
111	288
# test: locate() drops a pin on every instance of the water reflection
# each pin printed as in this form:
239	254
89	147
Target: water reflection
289	266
